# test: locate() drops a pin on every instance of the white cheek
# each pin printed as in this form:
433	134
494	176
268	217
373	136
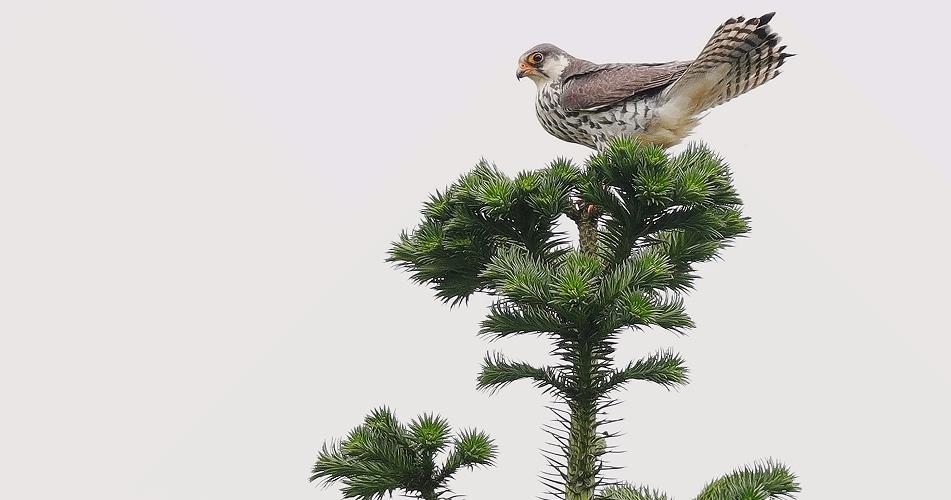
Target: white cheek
554	67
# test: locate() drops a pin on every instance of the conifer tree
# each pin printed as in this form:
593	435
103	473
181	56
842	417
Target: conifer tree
644	220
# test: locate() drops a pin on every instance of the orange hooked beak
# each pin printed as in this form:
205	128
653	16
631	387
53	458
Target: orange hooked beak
524	69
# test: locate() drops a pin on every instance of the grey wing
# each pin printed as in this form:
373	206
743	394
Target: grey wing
605	84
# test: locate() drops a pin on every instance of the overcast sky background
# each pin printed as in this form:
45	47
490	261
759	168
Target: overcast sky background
196	198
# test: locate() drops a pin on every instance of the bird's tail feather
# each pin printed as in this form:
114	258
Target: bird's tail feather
741	55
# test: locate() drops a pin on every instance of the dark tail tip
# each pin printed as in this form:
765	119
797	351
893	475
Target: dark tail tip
765	18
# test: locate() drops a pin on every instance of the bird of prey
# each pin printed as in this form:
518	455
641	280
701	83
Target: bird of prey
660	103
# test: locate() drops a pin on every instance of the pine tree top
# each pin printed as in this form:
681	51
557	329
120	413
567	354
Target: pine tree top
646	204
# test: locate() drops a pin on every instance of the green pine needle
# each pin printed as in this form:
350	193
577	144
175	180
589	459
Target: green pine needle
382	456
762	481
626	491
665	368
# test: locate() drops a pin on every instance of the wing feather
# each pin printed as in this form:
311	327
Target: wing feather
590	86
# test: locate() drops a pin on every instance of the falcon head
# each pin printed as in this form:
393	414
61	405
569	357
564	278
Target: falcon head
542	63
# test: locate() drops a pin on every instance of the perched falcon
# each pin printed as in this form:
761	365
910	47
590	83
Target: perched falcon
586	103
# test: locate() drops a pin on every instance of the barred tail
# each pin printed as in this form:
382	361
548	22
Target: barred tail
741	55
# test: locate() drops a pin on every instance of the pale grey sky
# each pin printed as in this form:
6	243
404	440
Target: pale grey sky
196	198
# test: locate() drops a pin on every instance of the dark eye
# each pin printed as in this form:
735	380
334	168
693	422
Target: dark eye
536	58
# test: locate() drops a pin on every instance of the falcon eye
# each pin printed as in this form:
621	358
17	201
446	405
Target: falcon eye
536	58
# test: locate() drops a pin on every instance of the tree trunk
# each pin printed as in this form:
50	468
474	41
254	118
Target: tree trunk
583	454
584	444
588	233
584	447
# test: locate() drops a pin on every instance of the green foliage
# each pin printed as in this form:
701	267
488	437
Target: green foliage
665	368
382	455
497	372
685	207
685	204
645	219
656	217
484	211
763	481
625	491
